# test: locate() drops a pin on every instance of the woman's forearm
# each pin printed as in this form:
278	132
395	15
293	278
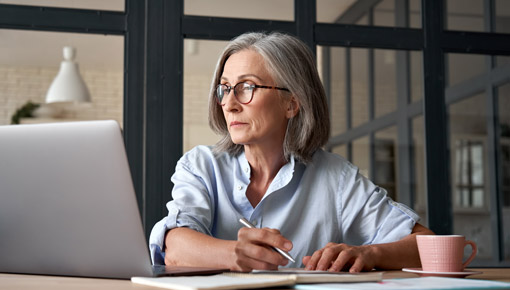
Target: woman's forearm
400	254
186	247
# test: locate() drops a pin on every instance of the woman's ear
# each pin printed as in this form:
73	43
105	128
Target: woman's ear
292	108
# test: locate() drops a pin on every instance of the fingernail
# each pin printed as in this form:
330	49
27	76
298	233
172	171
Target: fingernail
288	246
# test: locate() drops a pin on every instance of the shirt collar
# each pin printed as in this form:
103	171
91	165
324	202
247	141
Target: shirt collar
282	178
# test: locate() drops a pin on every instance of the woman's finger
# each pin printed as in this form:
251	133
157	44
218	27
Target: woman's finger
341	261
306	259
267	237
329	255
357	266
314	259
246	264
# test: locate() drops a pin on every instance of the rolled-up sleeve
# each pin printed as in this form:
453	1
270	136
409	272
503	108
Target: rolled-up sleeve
370	216
191	206
156	242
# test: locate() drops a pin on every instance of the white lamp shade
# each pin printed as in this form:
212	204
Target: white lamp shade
68	85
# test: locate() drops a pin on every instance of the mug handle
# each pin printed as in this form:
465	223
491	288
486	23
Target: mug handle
473	253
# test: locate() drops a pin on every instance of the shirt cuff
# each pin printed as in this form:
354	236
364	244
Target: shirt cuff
157	241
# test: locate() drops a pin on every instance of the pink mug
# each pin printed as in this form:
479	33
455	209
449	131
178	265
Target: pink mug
444	253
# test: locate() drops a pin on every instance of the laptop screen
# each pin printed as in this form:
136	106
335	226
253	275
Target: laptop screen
67	203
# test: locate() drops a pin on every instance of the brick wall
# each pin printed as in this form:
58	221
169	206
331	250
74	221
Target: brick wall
21	84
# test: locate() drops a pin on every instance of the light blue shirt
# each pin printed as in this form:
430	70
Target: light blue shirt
324	201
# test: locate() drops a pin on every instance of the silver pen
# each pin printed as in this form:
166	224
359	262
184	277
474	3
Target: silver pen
247	224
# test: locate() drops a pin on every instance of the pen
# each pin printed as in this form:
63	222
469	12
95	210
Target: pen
247	224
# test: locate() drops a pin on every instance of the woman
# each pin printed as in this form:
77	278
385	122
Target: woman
269	105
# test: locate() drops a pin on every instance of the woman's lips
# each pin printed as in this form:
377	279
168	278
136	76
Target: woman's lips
235	124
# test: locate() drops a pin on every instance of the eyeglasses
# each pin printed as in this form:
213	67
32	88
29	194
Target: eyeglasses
242	91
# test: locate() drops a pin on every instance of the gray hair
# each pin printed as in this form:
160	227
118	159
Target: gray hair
292	65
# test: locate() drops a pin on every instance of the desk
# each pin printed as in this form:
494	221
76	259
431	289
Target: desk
28	282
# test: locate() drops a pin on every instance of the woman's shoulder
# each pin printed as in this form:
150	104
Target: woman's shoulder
333	164
202	154
331	160
202	151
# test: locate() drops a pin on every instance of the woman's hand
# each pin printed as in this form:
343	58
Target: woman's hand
341	257
253	249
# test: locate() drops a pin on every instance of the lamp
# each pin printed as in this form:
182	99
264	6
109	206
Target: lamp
68	85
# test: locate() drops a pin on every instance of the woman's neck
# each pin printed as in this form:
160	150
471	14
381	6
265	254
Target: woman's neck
264	164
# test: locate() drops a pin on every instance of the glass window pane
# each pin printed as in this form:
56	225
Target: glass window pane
470	194
363	20
359	77
416	67
384	13
361	156
504	129
340	150
466	198
30	60
477	171
200	57
502	16
116	5
462	67
261	9
331	11
341	11
502	60
385	81
478	197
386	161
415	13
336	58
466	15
418	169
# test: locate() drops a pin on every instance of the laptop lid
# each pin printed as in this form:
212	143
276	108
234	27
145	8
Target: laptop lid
67	203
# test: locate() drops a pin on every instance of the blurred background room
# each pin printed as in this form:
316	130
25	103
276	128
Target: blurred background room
419	91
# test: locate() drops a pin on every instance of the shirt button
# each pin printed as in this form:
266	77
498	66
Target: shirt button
254	223
239	187
246	169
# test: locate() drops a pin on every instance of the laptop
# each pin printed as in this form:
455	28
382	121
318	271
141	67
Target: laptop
67	203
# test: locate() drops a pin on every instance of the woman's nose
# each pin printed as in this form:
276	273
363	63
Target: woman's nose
230	102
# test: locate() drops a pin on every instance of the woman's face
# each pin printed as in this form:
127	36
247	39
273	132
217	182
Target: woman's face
263	121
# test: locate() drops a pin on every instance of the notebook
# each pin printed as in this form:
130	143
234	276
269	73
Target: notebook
255	280
305	276
217	282
67	203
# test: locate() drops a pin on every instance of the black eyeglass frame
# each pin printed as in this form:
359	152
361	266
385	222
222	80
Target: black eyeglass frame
252	87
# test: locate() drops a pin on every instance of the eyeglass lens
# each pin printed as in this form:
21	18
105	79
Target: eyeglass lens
243	92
